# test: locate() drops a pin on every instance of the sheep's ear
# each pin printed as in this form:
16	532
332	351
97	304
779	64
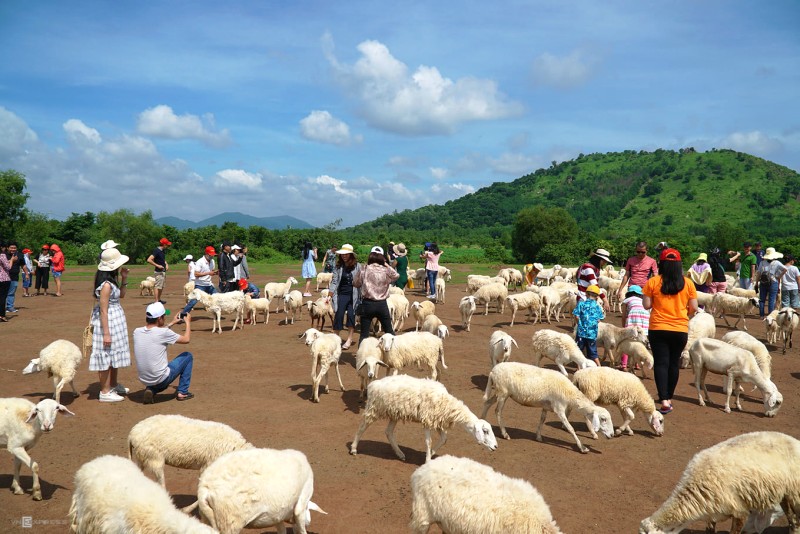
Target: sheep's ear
32	415
514	342
63	409
595	422
379	362
32	367
362	365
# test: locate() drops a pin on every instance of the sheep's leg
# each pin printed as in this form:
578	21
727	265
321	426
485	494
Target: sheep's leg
365	422
59	387
733	384
698	377
488	404
501	401
562	369
315	388
628	416
428	442
21	456
737	524
393	441
324	374
336	366
790	508
571	430
744	322
486	312
513	314
442	441
541	424
589	425
75	391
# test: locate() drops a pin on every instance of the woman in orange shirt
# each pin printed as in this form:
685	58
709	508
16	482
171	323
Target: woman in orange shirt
670	297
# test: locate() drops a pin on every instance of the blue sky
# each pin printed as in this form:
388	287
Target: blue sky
349	110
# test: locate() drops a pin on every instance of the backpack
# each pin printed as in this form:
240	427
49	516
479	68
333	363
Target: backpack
764	278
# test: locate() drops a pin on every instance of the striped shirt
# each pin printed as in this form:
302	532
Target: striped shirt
637	315
587	276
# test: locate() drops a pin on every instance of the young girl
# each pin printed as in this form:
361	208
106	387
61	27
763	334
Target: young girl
634	314
309	269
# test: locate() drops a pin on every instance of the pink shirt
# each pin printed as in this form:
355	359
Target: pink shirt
640	270
5	266
432	261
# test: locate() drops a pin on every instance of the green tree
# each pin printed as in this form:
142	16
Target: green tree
12	201
136	234
534	228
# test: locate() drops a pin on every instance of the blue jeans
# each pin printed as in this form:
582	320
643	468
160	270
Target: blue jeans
745	283
765	290
588	347
181	366
193	302
12	289
431	282
790	298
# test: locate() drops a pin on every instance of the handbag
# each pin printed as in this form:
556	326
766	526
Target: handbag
88	334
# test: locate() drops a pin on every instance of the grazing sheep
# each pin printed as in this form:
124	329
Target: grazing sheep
546	275
324	280
705	300
463	496
368	358
772	327
530	386
60	359
319	310
292	302
787	323
497	293
112	495
606	386
741	292
739	365
567	301
219	303
551	300
440	290
420	400
476	281
398	309
745	341
561	348
500	347
253	306
146	286
700	326
467	308
637	354
21	425
413	348
527	300
751	472
258	488
724	303
609	336
276	290
180	441
420	310
434	325
326	349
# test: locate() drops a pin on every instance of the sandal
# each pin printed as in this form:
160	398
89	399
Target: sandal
3	319
185	396
346	345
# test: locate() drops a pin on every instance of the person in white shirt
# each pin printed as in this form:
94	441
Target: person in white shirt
790	282
204	269
189	259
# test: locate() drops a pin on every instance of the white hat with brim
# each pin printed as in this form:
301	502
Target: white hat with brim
772	254
400	249
603	254
111	260
377	249
188	257
347	248
109	244
538	266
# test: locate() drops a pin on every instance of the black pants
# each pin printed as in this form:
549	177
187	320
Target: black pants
667	347
42	277
4	286
374	309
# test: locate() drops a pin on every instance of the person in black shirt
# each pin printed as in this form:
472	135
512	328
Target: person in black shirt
159	262
227	273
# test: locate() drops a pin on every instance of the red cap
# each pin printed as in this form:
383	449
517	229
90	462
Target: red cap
166	242
242	284
26	251
46	247
210	251
670	254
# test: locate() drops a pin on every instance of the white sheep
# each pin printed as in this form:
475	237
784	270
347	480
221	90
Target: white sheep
324	280
326	349
292	302
413	348
147	286
112	495
420	400
368	358
551	301
394	290
741	292
494	292
440	290
21	425
787	323
60	359
476	281
758	471
637	354
745	341
180	441
739	365
398	309
607	386
559	347
188	287
319	310
530	386
724	303
418	276
435	326
463	496
609	336
420	310
253	306
500	347
444	273
276	290
546	275
467	307
772	327
567	302
258	488
219	303
705	300
702	325
527	300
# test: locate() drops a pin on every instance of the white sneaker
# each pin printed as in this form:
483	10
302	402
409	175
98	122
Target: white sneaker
111	396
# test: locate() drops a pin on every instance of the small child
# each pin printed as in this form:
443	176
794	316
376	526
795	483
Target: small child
588	314
634	314
27	278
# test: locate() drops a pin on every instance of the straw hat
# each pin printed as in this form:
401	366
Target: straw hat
603	254
347	248
400	249
111	259
771	254
109	244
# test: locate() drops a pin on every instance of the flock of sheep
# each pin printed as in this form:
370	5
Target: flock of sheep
242	486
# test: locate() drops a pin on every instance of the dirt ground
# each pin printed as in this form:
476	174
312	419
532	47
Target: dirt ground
258	381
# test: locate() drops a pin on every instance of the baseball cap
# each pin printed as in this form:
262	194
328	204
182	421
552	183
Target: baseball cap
670	254
236	247
210	251
242	284
188	257
164	241
156	310
377	249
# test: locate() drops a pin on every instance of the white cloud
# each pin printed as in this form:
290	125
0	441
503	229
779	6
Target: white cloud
80	134
514	164
566	72
161	121
451	191
754	142
234	178
323	127
439	173
422	102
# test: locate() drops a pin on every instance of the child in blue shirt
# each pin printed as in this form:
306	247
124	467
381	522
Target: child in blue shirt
589	313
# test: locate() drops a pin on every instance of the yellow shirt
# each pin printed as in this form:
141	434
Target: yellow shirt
669	312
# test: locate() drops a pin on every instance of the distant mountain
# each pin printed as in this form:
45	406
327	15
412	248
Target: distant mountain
280	222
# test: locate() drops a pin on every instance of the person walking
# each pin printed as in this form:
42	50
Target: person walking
374	281
28	278
790	281
633	314
346	297
718	284
747	265
6	264
189	259
43	270
204	269
309	270
671	298
57	266
769	273
110	349
588	314
431	257
158	260
401	265
638	269
329	259
700	273
19	265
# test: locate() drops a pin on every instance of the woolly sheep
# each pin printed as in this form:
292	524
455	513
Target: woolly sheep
559	347
546	275
420	310
467	308
112	495
440	290
444	273
292	302
398	309
530	386
394	290
60	359
476	281
706	300
500	347
463	496
146	286
637	354
741	292
326	349
21	425
724	303
276	290
253	306
504	274
567	301
787	323
319	310
419	276
772	327
434	325
751	472
609	336
180	441
219	303
551	300
527	300
497	293
739	365
413	348
258	488
420	400
745	341
368	358
188	287
606	386
324	280
700	326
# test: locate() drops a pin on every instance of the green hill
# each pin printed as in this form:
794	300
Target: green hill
626	194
